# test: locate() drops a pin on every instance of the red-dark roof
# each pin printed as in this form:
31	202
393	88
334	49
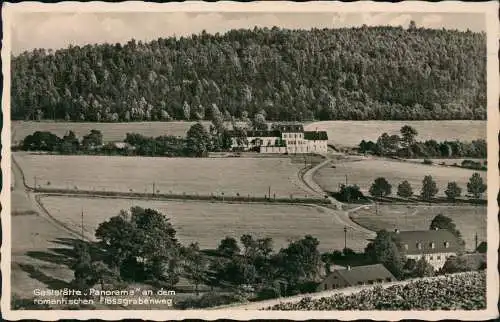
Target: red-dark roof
410	240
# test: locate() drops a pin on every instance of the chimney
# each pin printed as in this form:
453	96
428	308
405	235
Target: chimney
396	231
348	267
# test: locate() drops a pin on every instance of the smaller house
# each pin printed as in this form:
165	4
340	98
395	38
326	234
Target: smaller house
355	276
434	245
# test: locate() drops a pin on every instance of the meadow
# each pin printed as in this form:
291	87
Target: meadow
364	172
468	219
341	133
208	223
350	133
111	132
205	176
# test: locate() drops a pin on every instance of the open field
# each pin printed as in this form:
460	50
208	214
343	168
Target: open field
111	132
176	175
468	219
208	223
342	133
350	133
38	247
364	172
448	161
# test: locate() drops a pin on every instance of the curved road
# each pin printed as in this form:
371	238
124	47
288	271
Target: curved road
21	187
341	216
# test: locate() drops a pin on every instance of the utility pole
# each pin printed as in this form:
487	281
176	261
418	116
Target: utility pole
154	191
269	193
345	237
82	224
35	183
346	180
476	241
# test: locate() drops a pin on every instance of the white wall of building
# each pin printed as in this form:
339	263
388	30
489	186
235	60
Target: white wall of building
437	260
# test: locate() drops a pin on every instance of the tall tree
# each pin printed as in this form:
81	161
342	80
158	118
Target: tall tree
405	190
228	247
385	250
453	191
380	188
408	134
429	188
195	265
476	186
197	140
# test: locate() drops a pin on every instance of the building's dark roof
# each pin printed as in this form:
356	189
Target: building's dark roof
289	128
315	135
365	273
261	134
425	238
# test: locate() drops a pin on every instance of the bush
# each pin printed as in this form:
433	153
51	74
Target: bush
456	292
206	300
427	161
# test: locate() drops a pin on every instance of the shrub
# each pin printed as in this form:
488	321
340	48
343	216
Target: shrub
427	161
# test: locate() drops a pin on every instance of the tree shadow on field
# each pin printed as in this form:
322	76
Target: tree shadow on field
61	255
51	282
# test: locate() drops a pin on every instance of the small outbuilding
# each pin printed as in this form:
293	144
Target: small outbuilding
357	275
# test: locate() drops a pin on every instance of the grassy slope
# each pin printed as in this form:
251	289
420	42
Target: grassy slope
363	173
208	223
177	175
350	133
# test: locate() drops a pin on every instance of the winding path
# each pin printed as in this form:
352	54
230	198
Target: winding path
20	186
340	215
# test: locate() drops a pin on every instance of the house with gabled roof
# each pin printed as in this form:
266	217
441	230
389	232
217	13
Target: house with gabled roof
356	276
434	245
283	138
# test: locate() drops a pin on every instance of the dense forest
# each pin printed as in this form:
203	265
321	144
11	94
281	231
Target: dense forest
290	75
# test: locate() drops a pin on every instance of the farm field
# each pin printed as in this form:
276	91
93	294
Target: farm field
342	133
350	133
36	247
208	223
468	219
364	172
448	161
170	175
111	132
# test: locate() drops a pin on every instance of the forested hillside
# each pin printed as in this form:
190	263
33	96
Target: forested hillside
356	74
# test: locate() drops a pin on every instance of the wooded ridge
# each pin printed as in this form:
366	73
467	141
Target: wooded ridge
365	73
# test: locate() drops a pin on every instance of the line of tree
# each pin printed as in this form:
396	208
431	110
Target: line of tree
406	146
197	143
325	74
475	187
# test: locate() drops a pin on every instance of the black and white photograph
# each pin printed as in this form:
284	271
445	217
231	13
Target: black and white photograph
250	160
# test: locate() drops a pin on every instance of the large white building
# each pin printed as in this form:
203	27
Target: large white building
288	138
435	245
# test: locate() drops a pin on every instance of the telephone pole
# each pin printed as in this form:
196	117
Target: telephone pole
346	180
269	193
35	183
82	224
475	238
345	237
154	191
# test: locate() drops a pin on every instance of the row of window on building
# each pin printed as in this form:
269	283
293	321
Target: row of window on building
431	245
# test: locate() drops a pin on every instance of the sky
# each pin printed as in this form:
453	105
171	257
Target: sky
55	30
